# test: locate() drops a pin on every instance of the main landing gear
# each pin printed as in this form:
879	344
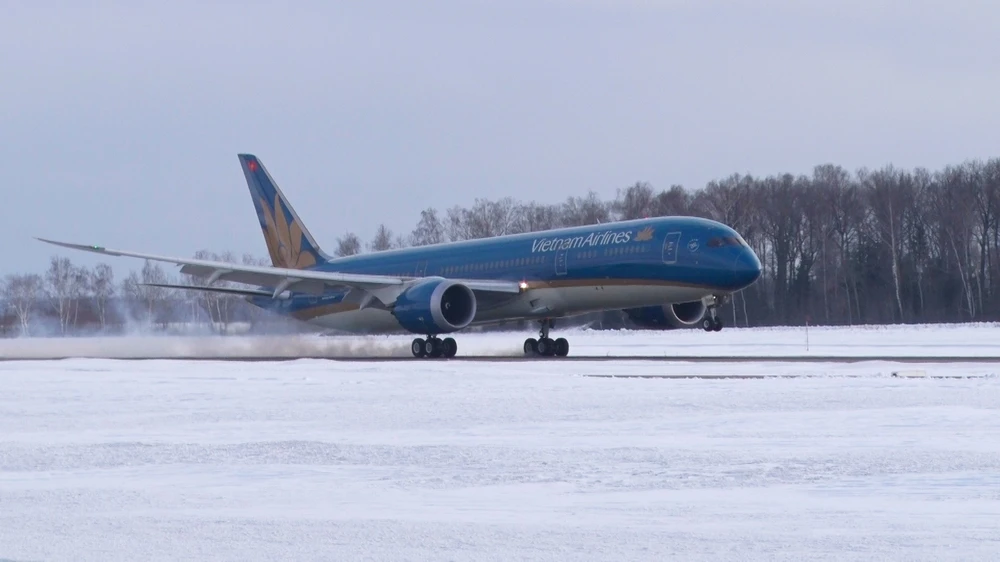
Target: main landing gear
434	347
544	345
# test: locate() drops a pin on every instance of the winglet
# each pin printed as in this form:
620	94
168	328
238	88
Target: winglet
85	247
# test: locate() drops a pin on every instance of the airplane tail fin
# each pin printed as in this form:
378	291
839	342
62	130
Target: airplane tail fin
288	242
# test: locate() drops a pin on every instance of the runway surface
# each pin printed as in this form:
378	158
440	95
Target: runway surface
503	359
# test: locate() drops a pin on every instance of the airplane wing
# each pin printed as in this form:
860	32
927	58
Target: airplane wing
207	289
383	287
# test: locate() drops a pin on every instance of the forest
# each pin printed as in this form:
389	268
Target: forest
839	247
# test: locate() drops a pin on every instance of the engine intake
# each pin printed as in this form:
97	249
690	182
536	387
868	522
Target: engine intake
668	316
435	306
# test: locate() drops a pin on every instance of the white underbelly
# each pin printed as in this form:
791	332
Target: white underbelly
568	301
535	303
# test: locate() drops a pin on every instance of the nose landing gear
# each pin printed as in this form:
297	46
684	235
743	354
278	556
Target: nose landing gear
712	322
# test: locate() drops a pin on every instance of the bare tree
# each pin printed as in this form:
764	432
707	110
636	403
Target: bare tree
674	202
22	292
457	225
102	286
580	211
131	291
634	202
59	281
218	307
80	290
146	302
348	245
538	217
382	240
889	191
429	230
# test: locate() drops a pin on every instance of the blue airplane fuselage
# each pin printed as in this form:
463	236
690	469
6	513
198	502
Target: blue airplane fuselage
622	265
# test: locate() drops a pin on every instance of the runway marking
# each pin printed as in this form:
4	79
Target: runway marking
506	359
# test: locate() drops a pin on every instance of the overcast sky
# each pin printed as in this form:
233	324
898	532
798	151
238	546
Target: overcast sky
120	121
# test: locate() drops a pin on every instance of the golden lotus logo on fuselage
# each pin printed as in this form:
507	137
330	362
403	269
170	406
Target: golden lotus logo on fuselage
284	241
644	234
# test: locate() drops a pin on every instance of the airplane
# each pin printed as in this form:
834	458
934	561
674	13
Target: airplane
664	272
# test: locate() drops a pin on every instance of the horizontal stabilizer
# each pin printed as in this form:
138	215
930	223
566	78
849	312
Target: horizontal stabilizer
227	290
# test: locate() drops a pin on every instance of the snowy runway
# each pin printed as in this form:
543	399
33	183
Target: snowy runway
305	460
978	341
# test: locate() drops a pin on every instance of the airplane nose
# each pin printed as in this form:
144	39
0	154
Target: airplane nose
747	268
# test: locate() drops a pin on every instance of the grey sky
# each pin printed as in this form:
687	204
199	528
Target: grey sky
120	121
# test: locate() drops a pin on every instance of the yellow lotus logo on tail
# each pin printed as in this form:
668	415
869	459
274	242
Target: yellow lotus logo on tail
644	234
284	241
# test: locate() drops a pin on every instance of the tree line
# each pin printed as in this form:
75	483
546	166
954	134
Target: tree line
69	299
878	246
872	246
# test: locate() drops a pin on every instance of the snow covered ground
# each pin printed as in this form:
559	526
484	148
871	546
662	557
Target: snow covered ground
965	340
316	460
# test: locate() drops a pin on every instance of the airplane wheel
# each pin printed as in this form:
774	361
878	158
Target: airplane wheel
546	347
449	347
707	324
561	347
417	347
432	347
531	346
717	326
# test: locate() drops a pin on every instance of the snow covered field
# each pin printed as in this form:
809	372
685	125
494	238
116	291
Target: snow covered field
316	460
966	340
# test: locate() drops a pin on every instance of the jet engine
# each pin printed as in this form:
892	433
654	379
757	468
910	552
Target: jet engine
435	306
668	316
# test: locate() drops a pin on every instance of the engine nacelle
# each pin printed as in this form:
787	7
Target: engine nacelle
668	316
435	306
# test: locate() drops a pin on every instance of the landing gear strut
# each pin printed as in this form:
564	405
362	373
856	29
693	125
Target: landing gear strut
434	347
545	346
712	322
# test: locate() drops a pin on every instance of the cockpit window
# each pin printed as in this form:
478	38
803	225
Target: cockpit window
724	241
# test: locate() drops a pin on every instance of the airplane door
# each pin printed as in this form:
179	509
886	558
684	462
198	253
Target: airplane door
561	257
670	243
421	268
